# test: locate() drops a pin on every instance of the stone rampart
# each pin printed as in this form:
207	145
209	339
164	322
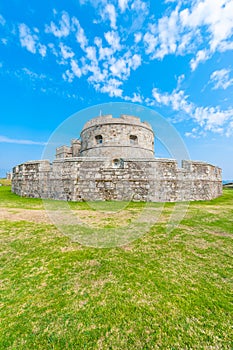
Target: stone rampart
86	178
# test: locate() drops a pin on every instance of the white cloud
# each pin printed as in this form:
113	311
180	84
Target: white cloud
80	34
150	42
91	53
221	79
209	118
135	61
205	23
112	88
167	37
113	39
136	98
180	79
68	76
105	52
119	68
110	12
212	118
137	37
185	44
225	46
53	49
177	100
75	68
4	41
139	13
94	3
168	34
122	5
5	139
139	6
42	50
27	39
2	20
195	133
66	51
63	30
98	76
216	15
30	41
201	56
122	67
33	75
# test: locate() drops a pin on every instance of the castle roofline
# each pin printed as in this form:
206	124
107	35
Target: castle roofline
123	119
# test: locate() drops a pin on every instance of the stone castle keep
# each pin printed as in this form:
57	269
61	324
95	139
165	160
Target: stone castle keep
114	160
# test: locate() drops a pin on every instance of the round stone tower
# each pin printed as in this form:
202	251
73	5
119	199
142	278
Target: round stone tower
124	137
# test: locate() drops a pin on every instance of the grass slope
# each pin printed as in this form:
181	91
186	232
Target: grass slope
163	291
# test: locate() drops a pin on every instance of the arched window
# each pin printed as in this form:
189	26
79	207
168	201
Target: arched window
99	139
133	140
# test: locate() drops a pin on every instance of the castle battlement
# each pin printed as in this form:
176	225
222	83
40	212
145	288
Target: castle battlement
123	119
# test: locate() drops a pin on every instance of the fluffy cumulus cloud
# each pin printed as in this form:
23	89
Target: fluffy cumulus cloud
66	51
112	87
185	30
62	29
105	61
130	34
113	39
216	16
110	12
122	67
181	31
201	56
42	49
27	39
221	79
208	118
150	42
79	33
136	98
122	5
30	40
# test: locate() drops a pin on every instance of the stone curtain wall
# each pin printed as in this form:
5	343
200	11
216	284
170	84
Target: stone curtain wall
85	178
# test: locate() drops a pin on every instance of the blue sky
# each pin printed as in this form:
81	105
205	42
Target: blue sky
58	57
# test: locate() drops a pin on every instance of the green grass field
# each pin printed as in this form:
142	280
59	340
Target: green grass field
162	291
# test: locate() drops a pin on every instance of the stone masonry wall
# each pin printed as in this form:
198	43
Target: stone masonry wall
85	178
115	161
116	133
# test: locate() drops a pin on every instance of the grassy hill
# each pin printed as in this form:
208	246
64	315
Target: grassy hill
162	291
